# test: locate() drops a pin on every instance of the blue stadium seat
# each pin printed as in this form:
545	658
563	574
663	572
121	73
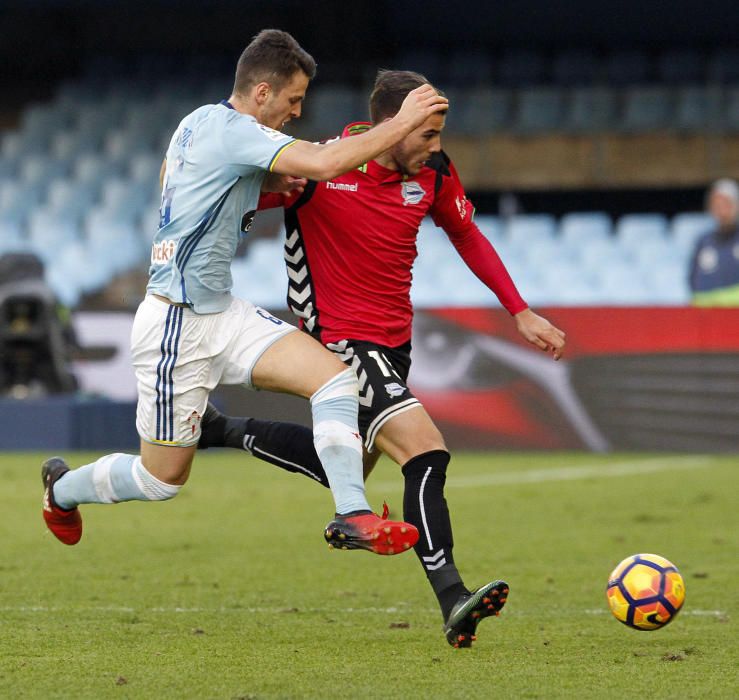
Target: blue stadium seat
633	230
647	109
622	285
476	111
40	170
731	110
17	201
583	228
599	254
697	108
48	234
688	227
491	226
590	109
11	237
330	108
669	283
69	199
67	145
530	229
539	110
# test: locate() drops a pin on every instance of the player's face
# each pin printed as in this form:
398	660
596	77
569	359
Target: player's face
724	210
280	107
411	154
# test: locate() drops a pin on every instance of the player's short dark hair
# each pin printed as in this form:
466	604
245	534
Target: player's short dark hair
390	89
273	57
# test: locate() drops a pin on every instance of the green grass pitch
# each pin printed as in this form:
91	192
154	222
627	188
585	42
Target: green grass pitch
229	591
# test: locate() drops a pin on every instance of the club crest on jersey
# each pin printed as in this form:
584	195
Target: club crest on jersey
394	389
412	192
162	252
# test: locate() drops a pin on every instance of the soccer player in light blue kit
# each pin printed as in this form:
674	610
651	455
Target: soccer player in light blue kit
190	334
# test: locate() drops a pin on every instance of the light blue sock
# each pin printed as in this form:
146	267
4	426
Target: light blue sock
337	440
111	479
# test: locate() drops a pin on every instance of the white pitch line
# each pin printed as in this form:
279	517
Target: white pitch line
587	471
401	609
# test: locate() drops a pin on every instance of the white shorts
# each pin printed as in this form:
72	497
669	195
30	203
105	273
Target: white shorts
179	357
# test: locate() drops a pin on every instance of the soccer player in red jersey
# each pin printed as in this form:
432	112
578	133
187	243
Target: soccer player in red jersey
350	247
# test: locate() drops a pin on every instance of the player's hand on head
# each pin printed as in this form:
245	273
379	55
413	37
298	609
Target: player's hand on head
420	104
540	332
283	184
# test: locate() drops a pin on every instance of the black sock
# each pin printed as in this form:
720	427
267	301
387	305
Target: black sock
286	445
425	507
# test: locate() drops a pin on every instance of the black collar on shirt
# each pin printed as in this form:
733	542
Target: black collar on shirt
226	103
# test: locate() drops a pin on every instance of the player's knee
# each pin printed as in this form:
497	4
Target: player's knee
153	487
342	384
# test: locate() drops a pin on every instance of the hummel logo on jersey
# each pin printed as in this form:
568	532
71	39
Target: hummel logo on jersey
162	252
344	187
412	192
394	389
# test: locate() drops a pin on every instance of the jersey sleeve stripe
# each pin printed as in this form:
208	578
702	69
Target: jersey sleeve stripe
279	152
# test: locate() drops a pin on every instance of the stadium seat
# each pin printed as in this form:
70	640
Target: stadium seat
69	199
491	226
589	109
668	283
17	201
538	110
479	110
39	170
331	108
48	234
731	110
529	229
621	285
602	253
647	109
687	228
583	228
633	230
697	108
11	238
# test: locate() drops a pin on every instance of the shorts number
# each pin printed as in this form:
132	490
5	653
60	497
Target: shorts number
382	363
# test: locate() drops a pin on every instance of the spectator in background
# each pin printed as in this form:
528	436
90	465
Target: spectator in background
714	272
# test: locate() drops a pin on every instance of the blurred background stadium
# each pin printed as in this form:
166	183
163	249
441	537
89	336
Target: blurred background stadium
586	136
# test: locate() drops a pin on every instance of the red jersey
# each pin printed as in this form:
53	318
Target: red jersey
351	243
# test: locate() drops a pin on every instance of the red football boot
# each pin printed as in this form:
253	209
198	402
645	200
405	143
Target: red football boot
371	532
66	525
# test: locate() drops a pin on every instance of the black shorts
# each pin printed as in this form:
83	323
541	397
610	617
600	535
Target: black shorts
382	373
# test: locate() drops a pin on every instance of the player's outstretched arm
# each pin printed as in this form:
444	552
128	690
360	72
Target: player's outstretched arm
326	161
538	331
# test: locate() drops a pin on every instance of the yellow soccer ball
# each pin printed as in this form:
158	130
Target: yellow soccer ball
645	591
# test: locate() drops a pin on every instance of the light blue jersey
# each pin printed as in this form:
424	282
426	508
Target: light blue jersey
216	162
